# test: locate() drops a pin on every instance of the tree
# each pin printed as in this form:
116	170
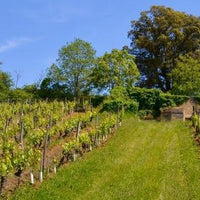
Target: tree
119	100
5	80
5	85
54	86
19	94
32	89
113	69
186	75
158	38
74	65
52	90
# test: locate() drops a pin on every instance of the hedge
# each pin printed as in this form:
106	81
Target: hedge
154	99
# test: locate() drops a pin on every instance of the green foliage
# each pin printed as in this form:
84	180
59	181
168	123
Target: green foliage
112	106
84	139
5	85
17	94
36	137
26	130
5	80
141	156
119	94
87	138
154	99
53	90
142	113
159	37
32	90
27	158
113	69
92	133
97	100
34	156
108	122
6	159
186	76
74	65
119	98
70	147
170	100
20	94
6	165
147	98
196	121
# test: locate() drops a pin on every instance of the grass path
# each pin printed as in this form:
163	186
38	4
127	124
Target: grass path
145	160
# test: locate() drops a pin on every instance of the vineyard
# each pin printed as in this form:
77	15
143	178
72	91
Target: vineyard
63	101
40	142
143	160
37	138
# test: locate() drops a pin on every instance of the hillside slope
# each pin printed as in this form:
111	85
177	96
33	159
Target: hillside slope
144	160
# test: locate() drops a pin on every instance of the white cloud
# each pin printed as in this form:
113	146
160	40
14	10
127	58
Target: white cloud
14	43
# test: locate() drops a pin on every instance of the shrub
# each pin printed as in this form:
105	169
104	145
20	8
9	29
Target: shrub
154	99
119	98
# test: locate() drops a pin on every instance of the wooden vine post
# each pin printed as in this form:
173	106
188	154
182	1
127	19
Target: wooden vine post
43	163
78	129
123	110
117	116
96	125
21	143
21	137
77	136
197	130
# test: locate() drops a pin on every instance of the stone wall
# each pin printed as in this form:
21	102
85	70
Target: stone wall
182	112
171	114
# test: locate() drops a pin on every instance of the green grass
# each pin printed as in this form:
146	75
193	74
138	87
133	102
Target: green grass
145	160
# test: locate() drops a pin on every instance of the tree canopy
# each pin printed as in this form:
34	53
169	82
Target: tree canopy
186	75
74	65
113	69
5	80
158	38
75	62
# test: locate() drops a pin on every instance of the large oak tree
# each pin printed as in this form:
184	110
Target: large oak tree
158	38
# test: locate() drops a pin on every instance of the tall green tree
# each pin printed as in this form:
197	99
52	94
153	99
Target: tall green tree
158	38
5	80
74	65
186	75
5	84
113	69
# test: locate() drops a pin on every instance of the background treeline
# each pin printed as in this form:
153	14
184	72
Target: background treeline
163	59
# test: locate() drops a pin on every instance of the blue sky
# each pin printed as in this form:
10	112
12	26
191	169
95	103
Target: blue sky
32	31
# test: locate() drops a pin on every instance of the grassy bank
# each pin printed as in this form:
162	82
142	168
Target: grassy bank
144	160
